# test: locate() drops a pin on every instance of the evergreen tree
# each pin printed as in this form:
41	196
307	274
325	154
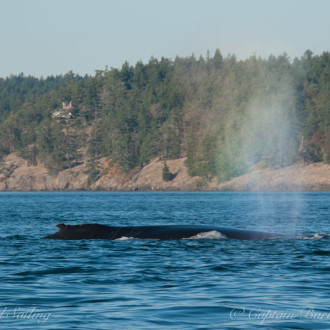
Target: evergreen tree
224	115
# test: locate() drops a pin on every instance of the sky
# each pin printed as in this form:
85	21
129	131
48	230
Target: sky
52	37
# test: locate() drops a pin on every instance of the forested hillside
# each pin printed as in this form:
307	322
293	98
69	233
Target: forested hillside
225	115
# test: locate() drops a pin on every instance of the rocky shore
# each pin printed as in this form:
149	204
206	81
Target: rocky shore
17	175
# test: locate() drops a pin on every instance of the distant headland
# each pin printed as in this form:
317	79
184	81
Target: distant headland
207	123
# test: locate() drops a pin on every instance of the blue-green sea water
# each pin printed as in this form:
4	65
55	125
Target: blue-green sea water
150	284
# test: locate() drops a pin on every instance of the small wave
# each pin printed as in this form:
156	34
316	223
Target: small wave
321	253
52	271
14	237
315	236
213	234
124	238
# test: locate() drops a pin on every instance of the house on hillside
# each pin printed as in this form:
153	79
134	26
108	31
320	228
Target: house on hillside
65	112
67	106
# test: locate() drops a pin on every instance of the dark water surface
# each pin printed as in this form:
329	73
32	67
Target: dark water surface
186	284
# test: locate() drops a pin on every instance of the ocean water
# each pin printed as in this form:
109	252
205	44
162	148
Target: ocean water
209	283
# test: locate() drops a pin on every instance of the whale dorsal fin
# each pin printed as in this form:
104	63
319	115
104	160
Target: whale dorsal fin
61	226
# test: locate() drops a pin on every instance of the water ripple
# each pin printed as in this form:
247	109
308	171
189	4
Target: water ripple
201	283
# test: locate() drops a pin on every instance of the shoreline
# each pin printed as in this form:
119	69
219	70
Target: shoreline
16	175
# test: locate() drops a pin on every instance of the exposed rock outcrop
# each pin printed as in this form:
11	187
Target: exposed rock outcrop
299	177
17	175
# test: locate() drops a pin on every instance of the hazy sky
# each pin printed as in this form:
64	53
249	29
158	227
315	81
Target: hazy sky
44	37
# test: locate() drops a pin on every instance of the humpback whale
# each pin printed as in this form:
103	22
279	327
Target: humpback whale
162	232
